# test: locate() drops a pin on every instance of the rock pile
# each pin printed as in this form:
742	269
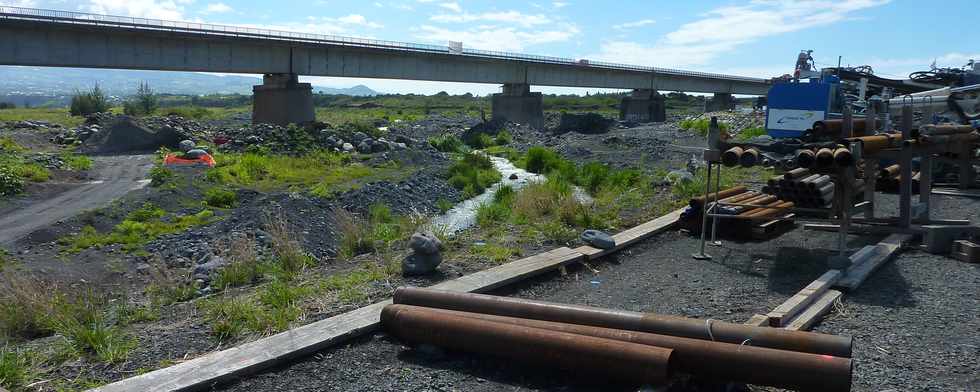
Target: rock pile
426	254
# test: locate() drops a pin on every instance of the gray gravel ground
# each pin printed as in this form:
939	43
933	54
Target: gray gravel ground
915	321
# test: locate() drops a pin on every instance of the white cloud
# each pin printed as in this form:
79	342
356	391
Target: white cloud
22	3
356	20
452	6
217	8
723	29
497	38
513	17
903	67
559	4
633	25
154	9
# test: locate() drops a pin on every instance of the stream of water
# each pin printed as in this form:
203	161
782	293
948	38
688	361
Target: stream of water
463	215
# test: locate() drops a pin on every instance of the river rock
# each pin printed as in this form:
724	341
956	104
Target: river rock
598	239
513	176
420	264
359	137
364	147
347	147
425	242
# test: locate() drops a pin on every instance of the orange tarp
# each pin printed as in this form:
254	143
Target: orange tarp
174	160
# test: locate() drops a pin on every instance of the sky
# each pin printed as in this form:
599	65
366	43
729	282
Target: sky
743	37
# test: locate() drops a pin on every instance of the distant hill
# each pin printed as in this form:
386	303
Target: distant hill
45	81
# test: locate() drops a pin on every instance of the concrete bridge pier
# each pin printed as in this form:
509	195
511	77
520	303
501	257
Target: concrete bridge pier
518	104
720	102
281	99
644	105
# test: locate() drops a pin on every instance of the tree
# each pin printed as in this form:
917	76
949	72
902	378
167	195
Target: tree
143	103
91	102
8	105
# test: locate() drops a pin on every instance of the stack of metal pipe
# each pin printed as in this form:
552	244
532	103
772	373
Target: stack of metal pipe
802	187
947	134
824	158
739	156
620	346
890	178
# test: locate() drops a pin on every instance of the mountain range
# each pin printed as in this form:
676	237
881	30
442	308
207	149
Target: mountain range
52	82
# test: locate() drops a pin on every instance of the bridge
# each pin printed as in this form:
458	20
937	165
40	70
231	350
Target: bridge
37	37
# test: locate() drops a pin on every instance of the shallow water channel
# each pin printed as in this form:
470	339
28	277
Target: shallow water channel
463	215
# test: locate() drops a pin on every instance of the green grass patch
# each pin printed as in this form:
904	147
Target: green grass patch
749	133
51	115
137	229
77	162
473	174
447	143
493	253
220	198
700	126
15	368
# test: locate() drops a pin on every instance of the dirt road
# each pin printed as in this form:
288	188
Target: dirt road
113	176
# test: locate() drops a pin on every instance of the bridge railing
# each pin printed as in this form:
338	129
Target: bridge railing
72	17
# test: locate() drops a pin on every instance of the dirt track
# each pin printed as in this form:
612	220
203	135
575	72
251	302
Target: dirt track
113	176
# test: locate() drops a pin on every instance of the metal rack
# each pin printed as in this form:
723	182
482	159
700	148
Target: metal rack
841	216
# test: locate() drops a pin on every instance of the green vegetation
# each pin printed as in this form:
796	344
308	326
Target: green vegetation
86	329
496	254
749	133
144	103
700	126
7	105
90	102
444	205
381	228
447	143
320	172
473	174
220	198
76	162
60	116
684	191
15	368
160	175
138	228
16	170
503	138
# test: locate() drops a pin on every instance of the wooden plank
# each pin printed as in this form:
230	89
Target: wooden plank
781	315
758	320
873	258
217	367
629	237
815	312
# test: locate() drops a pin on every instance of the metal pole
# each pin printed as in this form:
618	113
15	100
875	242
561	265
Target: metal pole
905	164
714	207
704	217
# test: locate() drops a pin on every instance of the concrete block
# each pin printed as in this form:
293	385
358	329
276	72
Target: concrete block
282	100
518	104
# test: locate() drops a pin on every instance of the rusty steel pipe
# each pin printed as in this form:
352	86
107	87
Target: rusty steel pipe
730	157
778	209
699	201
834	127
796	173
757	202
873	144
762	209
889	172
946	129
824	158
615	359
739	198
805	158
815	343
711	360
843	157
749	158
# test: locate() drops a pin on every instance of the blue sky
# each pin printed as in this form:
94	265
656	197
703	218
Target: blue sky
744	37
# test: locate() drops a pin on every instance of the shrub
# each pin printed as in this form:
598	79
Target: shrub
355	235
11	183
750	133
489	214
220	198
473	174
91	102
243	266
700	126
480	140
195	112
77	162
144	103
447	143
289	253
444	205
542	160
503	138
15	368
160	175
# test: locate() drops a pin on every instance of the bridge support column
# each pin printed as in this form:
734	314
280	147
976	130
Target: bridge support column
643	106
282	100
518	104
721	102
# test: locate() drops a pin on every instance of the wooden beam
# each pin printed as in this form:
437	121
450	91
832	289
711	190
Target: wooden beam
815	312
758	320
217	367
872	257
781	315
631	236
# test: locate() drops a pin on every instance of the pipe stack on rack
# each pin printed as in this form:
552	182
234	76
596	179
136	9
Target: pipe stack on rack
739	156
620	345
802	188
824	158
890	178
833	128
946	134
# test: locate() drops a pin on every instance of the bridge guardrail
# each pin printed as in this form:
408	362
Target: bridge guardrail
72	17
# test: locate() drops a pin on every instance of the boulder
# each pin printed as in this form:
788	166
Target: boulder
425	242
379	146
347	147
598	239
359	137
364	147
420	264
